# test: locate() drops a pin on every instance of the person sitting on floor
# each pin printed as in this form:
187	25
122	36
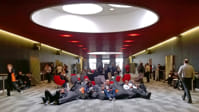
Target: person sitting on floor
48	97
20	80
27	80
109	90
137	90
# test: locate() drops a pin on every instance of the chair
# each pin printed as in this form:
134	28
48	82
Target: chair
93	83
126	77
58	80
72	74
118	78
111	82
86	77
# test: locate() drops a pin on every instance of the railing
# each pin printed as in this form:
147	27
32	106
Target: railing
3	77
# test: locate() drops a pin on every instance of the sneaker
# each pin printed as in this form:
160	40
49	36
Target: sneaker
44	100
110	99
149	95
190	101
183	98
21	92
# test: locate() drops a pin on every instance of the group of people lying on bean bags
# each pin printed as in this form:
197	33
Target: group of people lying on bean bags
86	90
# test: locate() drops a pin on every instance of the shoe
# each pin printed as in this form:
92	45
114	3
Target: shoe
44	100
183	98
110	99
190	101
113	99
21	92
149	95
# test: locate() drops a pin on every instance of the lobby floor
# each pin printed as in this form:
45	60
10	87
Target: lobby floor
163	99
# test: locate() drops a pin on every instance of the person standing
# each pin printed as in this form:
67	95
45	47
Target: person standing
141	69
186	72
47	70
147	72
11	80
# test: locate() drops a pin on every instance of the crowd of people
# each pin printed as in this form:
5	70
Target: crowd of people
109	90
85	88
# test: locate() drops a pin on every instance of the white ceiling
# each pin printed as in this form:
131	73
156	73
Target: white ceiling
118	20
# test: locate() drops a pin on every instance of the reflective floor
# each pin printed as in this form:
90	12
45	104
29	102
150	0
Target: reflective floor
163	99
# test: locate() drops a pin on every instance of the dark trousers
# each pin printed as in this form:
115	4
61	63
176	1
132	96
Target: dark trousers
11	85
187	83
147	76
51	97
140	93
48	75
153	75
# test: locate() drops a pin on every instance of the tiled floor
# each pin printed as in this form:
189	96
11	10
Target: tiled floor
163	99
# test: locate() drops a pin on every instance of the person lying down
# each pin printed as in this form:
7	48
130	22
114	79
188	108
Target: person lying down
106	91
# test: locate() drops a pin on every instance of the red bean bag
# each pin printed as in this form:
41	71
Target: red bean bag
58	80
86	77
126	77
111	82
118	78
93	82
73	74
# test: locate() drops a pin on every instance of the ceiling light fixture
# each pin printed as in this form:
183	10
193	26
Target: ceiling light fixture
122	48
133	34
74	41
83	8
104	53
65	35
126	45
80	45
119	6
129	41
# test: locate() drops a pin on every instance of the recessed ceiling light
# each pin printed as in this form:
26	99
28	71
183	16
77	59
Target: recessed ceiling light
84	48
83	9
126	45
119	6
123	48
104	53
74	41
129	41
65	35
133	34
80	45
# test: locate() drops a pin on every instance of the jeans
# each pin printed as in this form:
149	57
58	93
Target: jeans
110	94
186	82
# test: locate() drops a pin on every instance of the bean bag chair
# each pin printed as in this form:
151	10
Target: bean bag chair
93	82
120	92
71	96
118	78
58	80
86	77
126	77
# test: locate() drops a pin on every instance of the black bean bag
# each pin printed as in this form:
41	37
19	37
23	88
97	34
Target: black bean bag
71	96
120	91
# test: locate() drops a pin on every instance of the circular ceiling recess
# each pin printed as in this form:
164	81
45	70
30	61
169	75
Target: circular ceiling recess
94	18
